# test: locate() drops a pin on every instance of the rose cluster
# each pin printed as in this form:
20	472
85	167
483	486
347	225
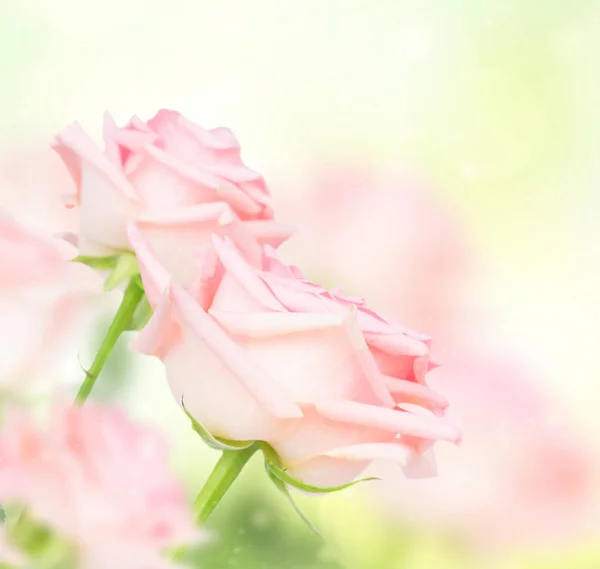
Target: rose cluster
251	348
258	357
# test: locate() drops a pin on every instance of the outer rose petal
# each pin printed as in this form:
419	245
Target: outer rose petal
177	238
216	151
315	356
411	392
372	451
241	281
268	231
106	198
194	143
272	397
154	275
161	333
404	423
397	344
327	453
164	181
242	416
342	465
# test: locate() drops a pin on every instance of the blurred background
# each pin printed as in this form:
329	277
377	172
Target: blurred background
439	159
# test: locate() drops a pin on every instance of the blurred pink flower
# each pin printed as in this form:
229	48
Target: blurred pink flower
42	302
97	478
524	473
329	383
32	179
523	470
385	236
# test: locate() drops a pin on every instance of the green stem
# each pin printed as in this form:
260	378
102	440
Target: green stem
220	480
132	297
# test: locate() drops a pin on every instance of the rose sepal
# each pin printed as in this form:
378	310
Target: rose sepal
213	442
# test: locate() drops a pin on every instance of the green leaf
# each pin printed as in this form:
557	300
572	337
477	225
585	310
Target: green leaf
141	316
281	486
97	262
214	442
125	269
284	476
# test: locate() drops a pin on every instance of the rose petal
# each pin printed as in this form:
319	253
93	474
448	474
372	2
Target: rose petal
264	389
409	391
245	275
430	428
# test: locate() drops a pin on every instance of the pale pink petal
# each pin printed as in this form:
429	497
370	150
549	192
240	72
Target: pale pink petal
238	198
246	275
182	215
409	391
367	362
154	276
401	422
75	145
234	173
323	470
111	147
265	324
176	236
315	356
219	138
269	232
106	198
397	344
164	181
421	465
315	435
263	388
372	451
161	333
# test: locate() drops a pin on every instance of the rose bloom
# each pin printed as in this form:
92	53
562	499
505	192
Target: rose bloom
43	305
263	354
98	479
179	181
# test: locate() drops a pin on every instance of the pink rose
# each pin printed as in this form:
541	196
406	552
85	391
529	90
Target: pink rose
178	181
98	479
262	354
42	301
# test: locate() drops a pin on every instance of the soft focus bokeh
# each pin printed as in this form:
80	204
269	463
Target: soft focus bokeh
439	159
